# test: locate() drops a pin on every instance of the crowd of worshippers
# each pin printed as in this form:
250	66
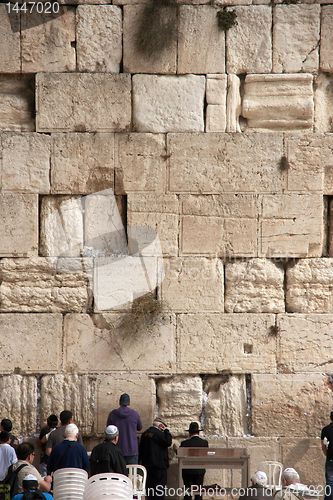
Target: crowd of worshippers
62	447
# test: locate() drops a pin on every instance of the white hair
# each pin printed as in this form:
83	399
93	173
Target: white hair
290	476
71	430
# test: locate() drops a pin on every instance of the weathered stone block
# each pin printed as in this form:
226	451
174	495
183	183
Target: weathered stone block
306	457
77	393
283	405
19	402
19	224
27	344
82	163
82	102
240	343
278	102
192	284
256	285
309	286
120	342
249	43
215	118
234	104
25	162
328	180
296	37
168	103
17	98
330	226
140	163
216	89
200	50
10	41
323	103
99	38
47	41
45	284
326	39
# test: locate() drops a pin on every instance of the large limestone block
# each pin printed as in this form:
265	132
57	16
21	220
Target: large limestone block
19	402
10	41
323	103
292	405
309	286
17	97
150	41
326	39
256	285
82	163
19	224
180	401
200	50
241	343
192	284
306	456
305	343
82	102
215	118
27	343
139	341
141	389
249	43
292	225
260	450
219	163
328	180
140	163
168	103
216	89
296	37
99	38
48	41
234	104
44	284
77	393
278	102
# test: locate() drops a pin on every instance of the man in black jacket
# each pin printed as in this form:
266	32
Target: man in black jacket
153	454
107	457
194	477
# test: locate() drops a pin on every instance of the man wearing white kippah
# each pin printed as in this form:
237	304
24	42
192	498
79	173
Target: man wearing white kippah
106	456
257	490
31	491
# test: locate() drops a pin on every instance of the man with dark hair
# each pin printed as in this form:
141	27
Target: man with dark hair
6	425
26	453
194	477
128	423
7	454
31	491
327	448
52	424
58	435
106	456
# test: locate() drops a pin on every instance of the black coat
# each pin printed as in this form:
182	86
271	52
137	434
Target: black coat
153	448
194	442
107	457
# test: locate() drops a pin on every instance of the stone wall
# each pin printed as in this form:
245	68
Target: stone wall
221	142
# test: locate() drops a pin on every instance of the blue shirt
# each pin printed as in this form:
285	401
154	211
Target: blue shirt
19	496
68	454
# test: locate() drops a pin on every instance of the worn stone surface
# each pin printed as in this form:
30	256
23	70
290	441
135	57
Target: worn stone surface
290	405
215	118
120	342
249	42
17	103
19	224
216	89
330	230
309	286
323	103
328	179
241	343
306	457
19	402
326	39
10	41
47	41
256	285
200	50
25	163
168	103
81	102
234	104
278	102
44	284
99	38
296	37
82	163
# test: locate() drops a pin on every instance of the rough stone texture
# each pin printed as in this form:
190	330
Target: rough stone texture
324	103
25	163
82	163
290	405
296	37
120	342
326	39
17	103
309	286
305	343
140	163
328	180
256	285
74	392
180	401
47	41
19	402
330	233
23	330
216	89
234	104
278	102
19	224
10	41
80	102
215	118
241	343
192	284
201	44
168	103
99	38
249	42
44	284
306	457
148	45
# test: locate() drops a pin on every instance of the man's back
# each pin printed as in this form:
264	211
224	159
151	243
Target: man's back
44	495
7	458
68	454
129	423
106	457
154	448
194	442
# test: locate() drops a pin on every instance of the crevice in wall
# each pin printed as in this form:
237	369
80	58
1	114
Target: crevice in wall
328	227
40	199
39	403
248	420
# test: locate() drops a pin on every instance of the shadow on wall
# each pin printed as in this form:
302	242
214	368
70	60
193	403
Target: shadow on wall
51	10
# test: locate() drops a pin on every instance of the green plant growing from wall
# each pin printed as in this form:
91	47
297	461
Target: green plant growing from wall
226	19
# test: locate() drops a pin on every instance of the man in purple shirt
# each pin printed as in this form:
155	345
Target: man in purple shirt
129	423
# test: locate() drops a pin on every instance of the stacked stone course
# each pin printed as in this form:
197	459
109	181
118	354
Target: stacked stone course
222	143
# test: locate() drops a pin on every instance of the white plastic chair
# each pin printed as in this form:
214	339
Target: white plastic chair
138	476
274	474
69	484
109	486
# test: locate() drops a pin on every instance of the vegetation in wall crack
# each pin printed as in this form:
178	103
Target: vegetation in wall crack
226	19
